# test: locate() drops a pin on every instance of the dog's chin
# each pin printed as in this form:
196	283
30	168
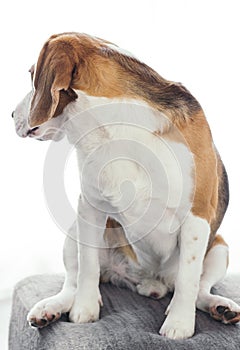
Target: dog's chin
49	136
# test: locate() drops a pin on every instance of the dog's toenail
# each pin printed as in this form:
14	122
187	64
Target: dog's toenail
33	324
228	315
221	309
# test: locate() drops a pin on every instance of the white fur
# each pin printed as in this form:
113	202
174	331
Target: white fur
143	181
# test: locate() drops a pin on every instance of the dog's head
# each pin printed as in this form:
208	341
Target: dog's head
40	113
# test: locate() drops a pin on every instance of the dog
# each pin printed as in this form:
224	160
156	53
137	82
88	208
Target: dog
129	125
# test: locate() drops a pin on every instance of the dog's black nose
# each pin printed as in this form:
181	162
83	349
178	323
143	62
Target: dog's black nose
13	114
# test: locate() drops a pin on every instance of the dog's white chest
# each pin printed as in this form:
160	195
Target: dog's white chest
141	179
142	175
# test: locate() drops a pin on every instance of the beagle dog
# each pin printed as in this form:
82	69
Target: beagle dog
154	188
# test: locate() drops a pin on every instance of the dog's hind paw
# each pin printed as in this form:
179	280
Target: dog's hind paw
152	288
228	313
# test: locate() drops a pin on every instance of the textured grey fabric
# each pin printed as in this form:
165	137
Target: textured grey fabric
127	321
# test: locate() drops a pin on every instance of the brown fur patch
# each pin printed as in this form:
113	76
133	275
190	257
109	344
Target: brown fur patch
199	140
223	199
115	236
218	240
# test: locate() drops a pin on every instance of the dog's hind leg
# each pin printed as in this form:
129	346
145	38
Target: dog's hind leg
214	269
50	309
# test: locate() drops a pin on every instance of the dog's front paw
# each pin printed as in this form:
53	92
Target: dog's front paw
178	327
50	309
85	309
44	312
180	321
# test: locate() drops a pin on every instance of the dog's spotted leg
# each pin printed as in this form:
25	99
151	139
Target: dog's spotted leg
87	301
193	244
214	269
50	309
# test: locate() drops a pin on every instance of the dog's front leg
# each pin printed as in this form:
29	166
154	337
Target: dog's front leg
180	321
50	309
91	225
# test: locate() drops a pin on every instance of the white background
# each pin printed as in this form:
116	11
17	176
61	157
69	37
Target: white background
194	42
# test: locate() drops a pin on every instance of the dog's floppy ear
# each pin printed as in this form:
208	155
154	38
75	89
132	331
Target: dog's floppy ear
54	71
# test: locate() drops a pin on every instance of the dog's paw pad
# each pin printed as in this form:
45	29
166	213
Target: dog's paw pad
225	314
44	321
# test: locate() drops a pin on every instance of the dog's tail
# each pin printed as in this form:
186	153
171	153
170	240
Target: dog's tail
118	261
117	269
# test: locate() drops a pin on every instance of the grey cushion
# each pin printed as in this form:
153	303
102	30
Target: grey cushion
127	321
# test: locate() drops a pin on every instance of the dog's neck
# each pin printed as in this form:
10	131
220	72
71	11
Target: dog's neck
91	117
